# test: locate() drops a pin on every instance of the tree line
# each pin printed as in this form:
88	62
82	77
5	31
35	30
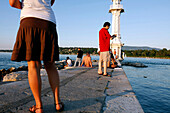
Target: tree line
164	53
69	50
73	50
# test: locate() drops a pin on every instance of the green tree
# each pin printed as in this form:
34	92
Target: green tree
152	53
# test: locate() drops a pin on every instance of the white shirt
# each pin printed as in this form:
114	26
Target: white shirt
69	62
38	9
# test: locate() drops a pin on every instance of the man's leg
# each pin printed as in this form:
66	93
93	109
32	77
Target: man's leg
100	67
105	67
75	63
79	60
106	58
100	64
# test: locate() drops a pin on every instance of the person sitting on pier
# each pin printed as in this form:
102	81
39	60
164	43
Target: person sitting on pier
87	60
68	62
114	63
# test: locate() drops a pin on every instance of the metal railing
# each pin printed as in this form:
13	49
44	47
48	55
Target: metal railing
118	6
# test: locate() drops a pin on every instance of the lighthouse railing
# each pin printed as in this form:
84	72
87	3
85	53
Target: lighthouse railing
118	6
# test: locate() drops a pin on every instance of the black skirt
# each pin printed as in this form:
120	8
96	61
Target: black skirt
36	40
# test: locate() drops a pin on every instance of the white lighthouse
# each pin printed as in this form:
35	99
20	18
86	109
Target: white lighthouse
116	9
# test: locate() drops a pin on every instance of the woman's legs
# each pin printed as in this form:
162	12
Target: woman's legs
35	81
53	80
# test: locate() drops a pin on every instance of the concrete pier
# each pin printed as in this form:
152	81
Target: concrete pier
82	90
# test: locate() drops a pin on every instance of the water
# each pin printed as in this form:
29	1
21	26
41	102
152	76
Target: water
152	92
6	63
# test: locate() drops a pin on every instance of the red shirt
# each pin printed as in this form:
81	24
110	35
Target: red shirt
104	40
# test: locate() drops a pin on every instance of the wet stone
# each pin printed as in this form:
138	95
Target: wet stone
12	69
22	68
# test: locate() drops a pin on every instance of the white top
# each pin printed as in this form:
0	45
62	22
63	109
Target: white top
38	9
69	62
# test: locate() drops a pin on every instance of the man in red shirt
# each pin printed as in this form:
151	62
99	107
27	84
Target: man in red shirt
104	45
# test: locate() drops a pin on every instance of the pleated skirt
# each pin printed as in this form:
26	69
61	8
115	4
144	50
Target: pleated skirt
36	40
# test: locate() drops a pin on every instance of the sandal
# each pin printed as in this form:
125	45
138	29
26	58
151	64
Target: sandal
33	109
61	107
107	75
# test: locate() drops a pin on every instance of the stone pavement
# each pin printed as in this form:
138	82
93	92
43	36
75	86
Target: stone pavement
82	90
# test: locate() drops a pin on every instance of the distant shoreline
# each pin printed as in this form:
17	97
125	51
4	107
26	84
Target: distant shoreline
10	51
60	53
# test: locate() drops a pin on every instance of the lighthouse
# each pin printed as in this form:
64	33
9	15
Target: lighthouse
116	45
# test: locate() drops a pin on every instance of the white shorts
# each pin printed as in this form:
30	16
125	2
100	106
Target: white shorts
104	56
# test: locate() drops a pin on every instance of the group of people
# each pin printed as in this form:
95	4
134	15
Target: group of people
85	62
37	41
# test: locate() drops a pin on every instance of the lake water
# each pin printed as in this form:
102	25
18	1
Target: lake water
6	63
152	92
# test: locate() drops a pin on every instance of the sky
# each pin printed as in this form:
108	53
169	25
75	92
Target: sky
144	22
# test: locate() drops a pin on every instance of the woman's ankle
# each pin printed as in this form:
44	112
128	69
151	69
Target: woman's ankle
39	106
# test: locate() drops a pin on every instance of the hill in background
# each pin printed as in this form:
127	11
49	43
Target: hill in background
138	48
